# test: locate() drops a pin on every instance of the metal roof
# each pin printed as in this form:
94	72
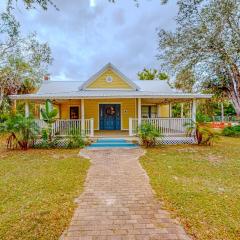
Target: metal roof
78	89
108	94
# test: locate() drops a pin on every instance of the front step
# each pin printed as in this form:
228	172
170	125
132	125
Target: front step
112	143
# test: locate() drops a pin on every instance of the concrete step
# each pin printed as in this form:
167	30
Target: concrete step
112	143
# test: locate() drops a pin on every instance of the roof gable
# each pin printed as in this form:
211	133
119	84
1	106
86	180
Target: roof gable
109	77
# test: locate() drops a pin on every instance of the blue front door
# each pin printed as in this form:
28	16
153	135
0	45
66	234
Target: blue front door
110	116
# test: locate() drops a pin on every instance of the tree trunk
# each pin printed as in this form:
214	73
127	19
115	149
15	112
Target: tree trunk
234	95
234	91
1	95
236	103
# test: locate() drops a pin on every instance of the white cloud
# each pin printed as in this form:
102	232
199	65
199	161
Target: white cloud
83	39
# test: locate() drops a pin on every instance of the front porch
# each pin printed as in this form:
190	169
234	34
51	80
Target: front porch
131	114
173	130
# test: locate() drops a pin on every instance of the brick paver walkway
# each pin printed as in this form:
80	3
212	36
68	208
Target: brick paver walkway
118	202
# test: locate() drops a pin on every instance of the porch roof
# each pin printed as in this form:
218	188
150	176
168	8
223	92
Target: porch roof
95	94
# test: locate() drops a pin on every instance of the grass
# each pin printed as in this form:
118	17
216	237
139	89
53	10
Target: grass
200	185
37	192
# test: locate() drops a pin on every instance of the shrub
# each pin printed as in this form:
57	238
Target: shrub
231	131
76	141
202	118
3	117
22	131
148	134
72	141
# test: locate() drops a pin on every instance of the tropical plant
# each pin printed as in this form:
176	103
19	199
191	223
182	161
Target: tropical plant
205	135
148	134
49	115
22	130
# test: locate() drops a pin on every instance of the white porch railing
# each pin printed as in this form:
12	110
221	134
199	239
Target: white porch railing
167	126
69	127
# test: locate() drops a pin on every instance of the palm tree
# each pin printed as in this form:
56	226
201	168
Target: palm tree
22	131
49	116
205	135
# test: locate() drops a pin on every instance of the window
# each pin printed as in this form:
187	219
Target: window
149	111
74	112
109	79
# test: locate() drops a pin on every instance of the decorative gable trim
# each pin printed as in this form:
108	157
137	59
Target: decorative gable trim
110	66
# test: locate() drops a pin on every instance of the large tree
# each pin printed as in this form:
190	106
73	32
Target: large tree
185	81
207	42
152	74
23	59
44	4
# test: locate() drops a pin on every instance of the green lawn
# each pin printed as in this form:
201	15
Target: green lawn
37	192
200	185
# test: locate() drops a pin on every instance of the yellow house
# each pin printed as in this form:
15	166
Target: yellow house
111	102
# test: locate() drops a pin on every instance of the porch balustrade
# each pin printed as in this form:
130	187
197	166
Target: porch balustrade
167	126
69	127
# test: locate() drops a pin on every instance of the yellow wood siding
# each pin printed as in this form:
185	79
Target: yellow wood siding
65	108
117	82
164	110
127	110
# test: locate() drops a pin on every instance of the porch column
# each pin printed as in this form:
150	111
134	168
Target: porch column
158	110
181	110
82	116
194	110
170	110
190	110
14	106
139	111
26	109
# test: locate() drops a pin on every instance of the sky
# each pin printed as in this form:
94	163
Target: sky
84	35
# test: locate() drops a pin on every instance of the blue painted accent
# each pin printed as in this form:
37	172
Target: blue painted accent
112	143
110	116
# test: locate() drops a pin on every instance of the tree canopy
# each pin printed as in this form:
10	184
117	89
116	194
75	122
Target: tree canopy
207	42
185	81
23	59
29	4
152	74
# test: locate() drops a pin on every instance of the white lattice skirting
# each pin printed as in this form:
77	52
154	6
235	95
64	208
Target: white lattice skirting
176	140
